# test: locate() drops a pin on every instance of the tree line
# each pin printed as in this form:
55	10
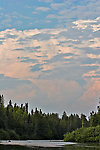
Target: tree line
87	134
17	123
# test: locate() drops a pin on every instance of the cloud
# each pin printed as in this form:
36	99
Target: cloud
95	43
20	95
36	67
92	56
68	11
90	98
37	53
93	74
52	59
43	8
49	95
62	11
92	24
27	60
95	27
57	5
52	16
10	83
60	94
86	65
46	1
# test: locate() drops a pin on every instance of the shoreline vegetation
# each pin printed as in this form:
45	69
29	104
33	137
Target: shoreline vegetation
16	123
84	135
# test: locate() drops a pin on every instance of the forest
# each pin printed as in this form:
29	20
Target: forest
16	122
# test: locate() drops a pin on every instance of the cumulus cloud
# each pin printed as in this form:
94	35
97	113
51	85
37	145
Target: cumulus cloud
58	62
91	24
92	56
21	44
90	98
92	74
86	65
95	27
61	94
33	54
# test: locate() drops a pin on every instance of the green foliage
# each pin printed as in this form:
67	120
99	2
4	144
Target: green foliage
90	134
95	117
4	135
17	123
84	121
13	135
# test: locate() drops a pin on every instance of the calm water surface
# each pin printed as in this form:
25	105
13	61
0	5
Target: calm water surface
46	145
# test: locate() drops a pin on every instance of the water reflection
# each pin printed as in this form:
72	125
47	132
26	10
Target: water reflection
10	147
68	147
82	147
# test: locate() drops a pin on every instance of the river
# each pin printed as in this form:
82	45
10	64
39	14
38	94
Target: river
46	145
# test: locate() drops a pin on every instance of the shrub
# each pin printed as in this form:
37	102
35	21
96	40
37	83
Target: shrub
4	135
91	134
13	135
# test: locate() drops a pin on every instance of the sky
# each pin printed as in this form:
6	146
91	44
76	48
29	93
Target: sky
50	54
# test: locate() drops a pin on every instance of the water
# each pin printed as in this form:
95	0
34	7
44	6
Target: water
46	145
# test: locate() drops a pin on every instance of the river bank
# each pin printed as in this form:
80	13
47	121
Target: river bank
37	143
83	135
46	144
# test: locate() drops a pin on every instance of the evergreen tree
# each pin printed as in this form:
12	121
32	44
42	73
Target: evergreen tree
1	100
17	123
84	121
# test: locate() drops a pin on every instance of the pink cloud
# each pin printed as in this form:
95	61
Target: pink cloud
92	93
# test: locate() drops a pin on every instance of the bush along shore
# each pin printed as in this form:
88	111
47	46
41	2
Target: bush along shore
89	134
17	123
82	135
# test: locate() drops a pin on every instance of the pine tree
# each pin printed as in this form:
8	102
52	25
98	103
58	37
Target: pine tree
1	100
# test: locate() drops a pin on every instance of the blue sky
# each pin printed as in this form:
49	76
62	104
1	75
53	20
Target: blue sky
50	54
